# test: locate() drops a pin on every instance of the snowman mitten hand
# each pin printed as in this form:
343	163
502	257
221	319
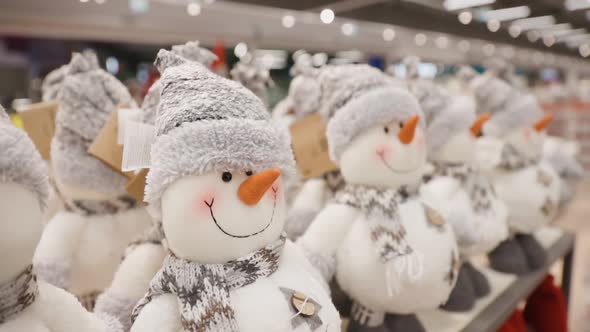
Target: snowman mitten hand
55	273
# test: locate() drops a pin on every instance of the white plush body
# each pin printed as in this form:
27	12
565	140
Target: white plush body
54	310
477	233
525	196
92	245
260	306
363	276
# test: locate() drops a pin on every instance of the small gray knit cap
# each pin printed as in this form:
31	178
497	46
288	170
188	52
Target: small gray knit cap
190	51
20	161
53	81
445	115
253	77
88	97
205	123
509	108
355	98
304	89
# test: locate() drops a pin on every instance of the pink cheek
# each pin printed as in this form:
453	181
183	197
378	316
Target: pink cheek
527	133
383	152
420	142
275	191
202	201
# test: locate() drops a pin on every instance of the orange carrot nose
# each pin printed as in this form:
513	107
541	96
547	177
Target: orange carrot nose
254	187
543	123
406	135
478	124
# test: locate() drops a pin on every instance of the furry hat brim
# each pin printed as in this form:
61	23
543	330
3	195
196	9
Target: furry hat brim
199	147
379	106
520	111
458	116
20	162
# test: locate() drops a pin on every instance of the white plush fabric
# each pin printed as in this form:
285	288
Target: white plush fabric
260	306
54	310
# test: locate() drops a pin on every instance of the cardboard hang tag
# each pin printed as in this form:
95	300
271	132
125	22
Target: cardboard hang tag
136	185
105	146
310	146
39	123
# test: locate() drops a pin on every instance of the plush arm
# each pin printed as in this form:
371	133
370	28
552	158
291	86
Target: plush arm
308	203
160	315
324	235
131	282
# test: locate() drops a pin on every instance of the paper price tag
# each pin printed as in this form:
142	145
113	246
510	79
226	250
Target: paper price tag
105	146
139	138
136	185
310	146
126	115
39	123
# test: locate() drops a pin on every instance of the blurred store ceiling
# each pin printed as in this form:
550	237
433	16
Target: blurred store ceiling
431	29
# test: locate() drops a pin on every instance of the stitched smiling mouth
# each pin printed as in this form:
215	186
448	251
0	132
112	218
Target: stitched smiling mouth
391	168
210	205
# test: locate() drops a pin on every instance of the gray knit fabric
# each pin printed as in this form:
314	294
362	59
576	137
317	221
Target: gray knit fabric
355	98
53	81
18	294
190	51
20	161
88	97
509	108
206	122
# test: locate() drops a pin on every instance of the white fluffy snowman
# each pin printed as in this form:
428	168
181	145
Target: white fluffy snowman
26	303
82	246
390	253
511	151
455	187
144	257
216	182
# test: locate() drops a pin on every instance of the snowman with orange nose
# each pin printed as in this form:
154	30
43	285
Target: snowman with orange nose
216	182
511	150
390	253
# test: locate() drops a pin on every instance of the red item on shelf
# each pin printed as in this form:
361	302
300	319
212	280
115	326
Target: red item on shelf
515	323
546	309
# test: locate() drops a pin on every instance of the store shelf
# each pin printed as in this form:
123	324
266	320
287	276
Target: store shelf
507	291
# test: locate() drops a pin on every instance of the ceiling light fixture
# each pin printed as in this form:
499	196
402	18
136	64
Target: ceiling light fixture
493	25
327	16
549	40
584	50
507	14
465	17
441	42
538	22
288	21
420	39
193	8
348	29
241	49
388	34
514	31
452	5
533	36
464	46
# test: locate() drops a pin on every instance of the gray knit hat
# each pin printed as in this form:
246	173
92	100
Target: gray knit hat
206	122
508	107
356	98
445	115
53	81
20	162
88	97
253	77
190	51
304	90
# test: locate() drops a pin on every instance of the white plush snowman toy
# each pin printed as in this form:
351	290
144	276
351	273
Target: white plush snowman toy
82	246
510	150
26	303
144	257
392	254
216	182
455	187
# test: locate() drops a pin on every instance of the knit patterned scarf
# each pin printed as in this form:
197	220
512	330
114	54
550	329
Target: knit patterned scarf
478	187
203	290
18	294
380	209
512	159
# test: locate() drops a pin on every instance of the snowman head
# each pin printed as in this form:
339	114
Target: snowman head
217	165
460	147
386	155
529	140
23	188
375	129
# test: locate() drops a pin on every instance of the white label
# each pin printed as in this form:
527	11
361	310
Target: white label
126	115
138	141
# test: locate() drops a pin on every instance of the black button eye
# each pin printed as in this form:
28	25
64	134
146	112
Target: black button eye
386	129
401	125
249	173
226	176
177	124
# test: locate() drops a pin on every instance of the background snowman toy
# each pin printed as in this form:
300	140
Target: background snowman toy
82	246
28	304
390	253
510	151
216	183
455	187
